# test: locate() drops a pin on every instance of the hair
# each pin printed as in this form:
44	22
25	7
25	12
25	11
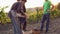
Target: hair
18	0
46	0
24	0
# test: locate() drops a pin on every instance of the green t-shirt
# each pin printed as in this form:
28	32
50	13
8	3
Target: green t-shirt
47	5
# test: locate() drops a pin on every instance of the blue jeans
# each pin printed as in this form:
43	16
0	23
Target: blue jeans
16	26
46	17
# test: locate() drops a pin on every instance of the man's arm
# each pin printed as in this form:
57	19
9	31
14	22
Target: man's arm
21	9
52	6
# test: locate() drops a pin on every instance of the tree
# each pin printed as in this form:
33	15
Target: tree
3	15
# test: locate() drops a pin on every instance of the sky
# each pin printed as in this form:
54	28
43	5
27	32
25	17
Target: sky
29	3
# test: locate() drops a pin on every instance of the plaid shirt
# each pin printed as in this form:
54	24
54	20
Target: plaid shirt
19	8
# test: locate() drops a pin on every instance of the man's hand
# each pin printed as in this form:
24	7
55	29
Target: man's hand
19	15
49	10
52	7
26	15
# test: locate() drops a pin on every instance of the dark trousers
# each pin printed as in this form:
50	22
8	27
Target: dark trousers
22	22
46	17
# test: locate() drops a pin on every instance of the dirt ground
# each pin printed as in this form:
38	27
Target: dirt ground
54	27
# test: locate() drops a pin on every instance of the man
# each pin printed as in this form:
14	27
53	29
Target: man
46	17
23	13
17	8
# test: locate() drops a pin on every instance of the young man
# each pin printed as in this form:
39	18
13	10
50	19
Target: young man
23	13
46	17
18	8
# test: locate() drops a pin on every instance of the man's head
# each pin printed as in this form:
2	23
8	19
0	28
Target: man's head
24	0
46	0
18	0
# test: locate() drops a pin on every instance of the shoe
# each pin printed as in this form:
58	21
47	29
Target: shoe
23	32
